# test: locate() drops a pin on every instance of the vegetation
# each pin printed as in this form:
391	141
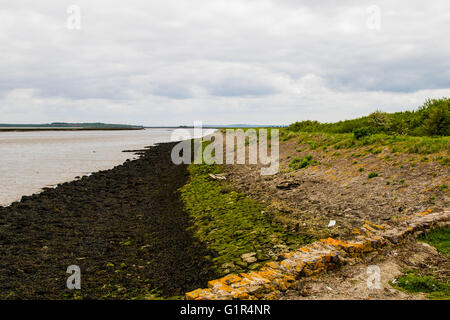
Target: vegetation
307	160
440	239
230	223
412	282
424	131
372	175
431	119
375	142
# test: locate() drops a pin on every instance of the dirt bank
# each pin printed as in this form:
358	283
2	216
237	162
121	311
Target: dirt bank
125	228
350	282
336	186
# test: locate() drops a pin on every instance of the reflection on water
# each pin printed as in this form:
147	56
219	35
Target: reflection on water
30	161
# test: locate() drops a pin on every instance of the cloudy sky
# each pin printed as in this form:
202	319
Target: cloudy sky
173	62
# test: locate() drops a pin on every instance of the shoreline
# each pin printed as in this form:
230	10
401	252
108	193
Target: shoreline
7	129
37	159
125	227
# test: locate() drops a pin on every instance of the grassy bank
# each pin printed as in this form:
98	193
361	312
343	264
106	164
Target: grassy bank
430	119
233	225
393	143
440	239
413	282
425	281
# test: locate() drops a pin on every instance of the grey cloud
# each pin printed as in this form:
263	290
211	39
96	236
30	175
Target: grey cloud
147	58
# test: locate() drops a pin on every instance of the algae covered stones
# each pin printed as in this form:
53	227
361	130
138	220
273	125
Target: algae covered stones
249	257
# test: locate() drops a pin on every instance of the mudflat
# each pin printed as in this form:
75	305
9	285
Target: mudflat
125	228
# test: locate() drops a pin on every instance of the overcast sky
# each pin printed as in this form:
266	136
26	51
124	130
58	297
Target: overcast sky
174	62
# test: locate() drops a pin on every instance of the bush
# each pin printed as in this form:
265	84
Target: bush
432	118
380	121
373	175
362	132
438	120
296	163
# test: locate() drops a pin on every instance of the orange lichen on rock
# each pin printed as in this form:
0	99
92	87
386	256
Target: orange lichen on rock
349	247
376	226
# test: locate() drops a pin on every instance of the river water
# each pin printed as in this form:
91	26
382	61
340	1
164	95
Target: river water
30	161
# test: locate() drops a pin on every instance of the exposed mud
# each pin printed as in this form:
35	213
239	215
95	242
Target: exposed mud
125	228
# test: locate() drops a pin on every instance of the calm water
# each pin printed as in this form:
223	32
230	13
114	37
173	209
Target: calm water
30	161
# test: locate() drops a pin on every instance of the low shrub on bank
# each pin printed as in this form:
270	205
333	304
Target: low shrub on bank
431	119
307	160
377	142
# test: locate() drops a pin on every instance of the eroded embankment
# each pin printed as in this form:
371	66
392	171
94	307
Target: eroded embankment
326	254
236	228
125	228
364	186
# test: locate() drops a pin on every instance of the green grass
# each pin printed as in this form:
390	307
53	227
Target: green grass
375	143
230	223
430	119
440	239
307	160
372	175
412	282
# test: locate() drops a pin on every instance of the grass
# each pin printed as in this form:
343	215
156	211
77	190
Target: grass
412	282
440	239
307	160
375	143
372	175
230	223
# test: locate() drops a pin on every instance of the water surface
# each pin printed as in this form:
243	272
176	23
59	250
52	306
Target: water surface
30	161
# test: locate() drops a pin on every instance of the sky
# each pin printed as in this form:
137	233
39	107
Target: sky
174	62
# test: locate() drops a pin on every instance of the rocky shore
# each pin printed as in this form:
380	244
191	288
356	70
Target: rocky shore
125	228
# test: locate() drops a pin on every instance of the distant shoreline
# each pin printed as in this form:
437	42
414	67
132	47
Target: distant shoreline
19	129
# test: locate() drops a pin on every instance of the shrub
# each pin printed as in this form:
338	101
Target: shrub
361	132
373	175
438	120
296	163
379	121
432	118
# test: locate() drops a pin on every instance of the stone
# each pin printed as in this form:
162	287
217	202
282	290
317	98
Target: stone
228	265
249	257
217	177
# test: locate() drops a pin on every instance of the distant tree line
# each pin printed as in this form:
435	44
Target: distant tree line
431	119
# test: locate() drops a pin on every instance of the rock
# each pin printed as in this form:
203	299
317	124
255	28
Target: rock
393	236
217	177
261	256
331	223
429	247
249	257
228	265
255	266
241	263
287	185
